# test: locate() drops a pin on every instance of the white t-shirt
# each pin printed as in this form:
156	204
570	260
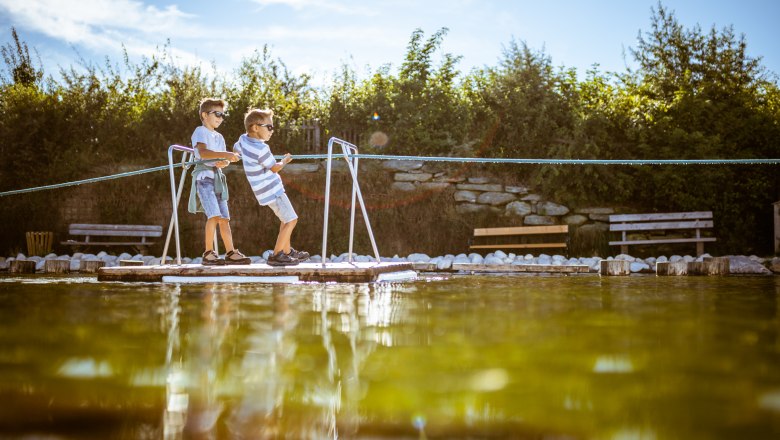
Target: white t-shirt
213	141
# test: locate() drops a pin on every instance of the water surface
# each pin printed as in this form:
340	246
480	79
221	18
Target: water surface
459	357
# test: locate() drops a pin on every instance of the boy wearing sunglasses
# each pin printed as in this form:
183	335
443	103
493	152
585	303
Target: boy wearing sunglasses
262	171
209	191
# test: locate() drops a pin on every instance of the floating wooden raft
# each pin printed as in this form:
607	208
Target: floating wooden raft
308	272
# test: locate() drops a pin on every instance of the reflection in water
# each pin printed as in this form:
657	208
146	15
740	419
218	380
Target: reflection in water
498	357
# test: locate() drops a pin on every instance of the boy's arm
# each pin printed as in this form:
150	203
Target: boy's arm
205	153
285	160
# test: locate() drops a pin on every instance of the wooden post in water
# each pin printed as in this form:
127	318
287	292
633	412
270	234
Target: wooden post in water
56	266
22	266
131	263
669	268
710	266
90	266
615	268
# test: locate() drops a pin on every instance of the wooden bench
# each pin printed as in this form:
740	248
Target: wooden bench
530	237
661	223
113	235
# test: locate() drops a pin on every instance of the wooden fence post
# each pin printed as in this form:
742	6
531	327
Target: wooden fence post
615	268
22	266
56	266
90	266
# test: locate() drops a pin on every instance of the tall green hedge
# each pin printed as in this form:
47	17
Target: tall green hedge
694	94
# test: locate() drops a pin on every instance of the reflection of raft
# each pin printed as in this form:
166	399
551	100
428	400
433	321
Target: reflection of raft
262	273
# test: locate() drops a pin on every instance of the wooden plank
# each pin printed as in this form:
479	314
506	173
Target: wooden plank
697	224
523	268
616	218
521	230
105	243
101	227
519	246
336	272
659	241
109	233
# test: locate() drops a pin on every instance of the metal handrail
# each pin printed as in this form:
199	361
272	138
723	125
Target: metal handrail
175	197
352	164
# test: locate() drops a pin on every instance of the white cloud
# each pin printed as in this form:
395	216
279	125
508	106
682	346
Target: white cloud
340	7
103	25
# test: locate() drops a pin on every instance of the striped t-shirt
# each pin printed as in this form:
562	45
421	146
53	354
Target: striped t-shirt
258	160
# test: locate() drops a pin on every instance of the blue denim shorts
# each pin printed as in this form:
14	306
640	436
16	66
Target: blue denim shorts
212	203
283	209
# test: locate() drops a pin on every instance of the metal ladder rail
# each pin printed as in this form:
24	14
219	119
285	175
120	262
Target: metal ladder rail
175	197
346	147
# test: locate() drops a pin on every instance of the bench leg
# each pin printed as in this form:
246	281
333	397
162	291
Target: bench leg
699	248
624	249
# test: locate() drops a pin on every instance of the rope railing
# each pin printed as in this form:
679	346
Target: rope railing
498	160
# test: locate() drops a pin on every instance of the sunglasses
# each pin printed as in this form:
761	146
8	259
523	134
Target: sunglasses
270	127
218	113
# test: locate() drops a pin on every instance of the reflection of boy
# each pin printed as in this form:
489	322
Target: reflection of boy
262	171
210	183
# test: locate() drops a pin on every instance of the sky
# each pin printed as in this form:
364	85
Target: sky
318	36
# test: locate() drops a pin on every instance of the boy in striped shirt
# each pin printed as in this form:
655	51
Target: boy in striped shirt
262	171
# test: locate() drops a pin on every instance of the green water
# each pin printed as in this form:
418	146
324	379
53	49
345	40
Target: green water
459	357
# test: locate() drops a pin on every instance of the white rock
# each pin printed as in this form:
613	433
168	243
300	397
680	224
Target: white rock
75	265
36	258
101	254
312	259
519	262
89	257
461	259
124	256
528	257
77	256
741	264
362	259
20	257
675	258
638	267
444	264
197	260
499	254
63	257
688	259
557	257
137	257
572	262
544	259
493	260
50	257
477	259
267	254
661	259
39	265
624	257
650	260
418	258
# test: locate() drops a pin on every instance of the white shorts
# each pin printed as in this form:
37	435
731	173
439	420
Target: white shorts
283	209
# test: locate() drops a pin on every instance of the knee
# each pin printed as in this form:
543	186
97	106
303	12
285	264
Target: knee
224	222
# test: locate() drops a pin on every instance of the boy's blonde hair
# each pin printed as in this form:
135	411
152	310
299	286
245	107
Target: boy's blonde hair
256	116
211	104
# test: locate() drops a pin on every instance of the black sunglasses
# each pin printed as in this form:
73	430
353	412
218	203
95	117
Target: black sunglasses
270	127
218	113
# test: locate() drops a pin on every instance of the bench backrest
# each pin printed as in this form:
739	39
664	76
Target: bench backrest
521	230
671	220
116	230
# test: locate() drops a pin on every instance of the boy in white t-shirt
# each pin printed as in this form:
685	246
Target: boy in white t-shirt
210	184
